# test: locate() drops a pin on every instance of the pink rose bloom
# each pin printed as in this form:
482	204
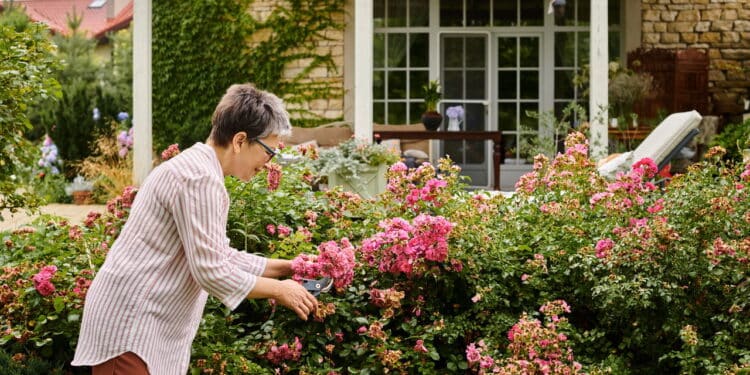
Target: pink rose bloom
603	247
274	175
271	229
419	346
170	152
284	231
45	288
398	167
472	354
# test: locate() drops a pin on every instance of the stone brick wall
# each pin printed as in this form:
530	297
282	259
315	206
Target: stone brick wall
332	108
719	27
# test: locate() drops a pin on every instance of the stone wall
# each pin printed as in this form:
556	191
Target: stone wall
328	108
721	28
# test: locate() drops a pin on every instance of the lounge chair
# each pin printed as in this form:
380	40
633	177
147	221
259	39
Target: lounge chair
662	145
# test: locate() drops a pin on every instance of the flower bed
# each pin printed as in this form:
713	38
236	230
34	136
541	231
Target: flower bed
573	274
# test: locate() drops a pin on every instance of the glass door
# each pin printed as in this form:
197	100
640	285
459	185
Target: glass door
518	94
465	82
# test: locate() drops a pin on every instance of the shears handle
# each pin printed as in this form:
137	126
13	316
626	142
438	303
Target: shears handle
315	287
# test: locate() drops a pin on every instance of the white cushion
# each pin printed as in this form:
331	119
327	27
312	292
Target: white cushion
621	163
657	145
662	140
417	154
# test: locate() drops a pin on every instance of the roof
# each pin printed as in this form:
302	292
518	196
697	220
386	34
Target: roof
54	13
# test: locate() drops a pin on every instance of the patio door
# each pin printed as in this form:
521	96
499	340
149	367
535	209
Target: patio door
465	73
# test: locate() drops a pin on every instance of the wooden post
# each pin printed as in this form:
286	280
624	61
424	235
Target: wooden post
599	79
361	55
142	144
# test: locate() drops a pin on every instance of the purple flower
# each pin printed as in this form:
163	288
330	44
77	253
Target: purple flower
455	112
122	116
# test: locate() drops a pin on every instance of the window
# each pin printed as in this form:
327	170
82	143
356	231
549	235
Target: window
401	60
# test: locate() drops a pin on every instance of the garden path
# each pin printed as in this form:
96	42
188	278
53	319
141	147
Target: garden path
74	213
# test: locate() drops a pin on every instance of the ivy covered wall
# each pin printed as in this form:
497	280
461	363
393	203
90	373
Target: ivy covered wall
293	48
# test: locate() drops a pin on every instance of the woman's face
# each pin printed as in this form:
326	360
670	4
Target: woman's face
252	154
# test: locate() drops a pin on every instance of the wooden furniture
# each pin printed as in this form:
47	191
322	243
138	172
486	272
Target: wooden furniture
629	135
495	136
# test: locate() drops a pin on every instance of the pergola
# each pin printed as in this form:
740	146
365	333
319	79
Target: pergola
357	82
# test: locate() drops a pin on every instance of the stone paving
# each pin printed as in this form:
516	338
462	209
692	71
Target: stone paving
74	213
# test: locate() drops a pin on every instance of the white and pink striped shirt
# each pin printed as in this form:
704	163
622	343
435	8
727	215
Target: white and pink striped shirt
149	295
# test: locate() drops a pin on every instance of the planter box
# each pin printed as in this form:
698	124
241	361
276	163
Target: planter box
369	183
81	197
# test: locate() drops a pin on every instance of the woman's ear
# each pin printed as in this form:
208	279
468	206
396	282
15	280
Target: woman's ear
237	141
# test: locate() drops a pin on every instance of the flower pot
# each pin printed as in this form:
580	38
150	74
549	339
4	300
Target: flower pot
454	124
432	120
369	183
82	197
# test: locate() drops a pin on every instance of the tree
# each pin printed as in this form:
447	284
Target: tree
26	66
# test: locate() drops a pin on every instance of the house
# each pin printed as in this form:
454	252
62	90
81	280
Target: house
98	17
501	59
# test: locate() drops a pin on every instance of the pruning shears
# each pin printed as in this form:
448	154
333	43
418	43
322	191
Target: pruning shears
315	287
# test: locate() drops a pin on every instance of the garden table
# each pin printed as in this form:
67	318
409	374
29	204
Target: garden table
495	136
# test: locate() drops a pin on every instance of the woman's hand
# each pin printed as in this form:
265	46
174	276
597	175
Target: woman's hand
288	293
295	297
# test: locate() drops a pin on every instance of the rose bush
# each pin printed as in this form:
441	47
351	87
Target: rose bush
573	274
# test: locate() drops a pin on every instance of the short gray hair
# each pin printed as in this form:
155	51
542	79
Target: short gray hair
244	108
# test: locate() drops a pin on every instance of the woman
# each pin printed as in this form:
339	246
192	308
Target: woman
145	304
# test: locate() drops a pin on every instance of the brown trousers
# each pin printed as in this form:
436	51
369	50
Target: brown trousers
127	363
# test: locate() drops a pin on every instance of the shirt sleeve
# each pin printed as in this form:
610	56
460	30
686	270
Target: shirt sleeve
200	217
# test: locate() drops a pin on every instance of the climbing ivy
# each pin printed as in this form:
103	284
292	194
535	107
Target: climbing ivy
201	47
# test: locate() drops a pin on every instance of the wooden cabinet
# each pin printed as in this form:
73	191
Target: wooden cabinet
680	80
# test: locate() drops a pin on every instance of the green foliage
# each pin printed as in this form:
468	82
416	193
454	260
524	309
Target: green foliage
297	30
432	95
14	17
734	138
201	48
352	157
549	139
23	365
26	68
46	326
656	280
86	84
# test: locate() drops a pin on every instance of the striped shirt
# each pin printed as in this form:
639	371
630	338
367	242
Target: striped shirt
173	251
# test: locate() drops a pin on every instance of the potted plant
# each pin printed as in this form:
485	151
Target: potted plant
356	166
81	190
431	118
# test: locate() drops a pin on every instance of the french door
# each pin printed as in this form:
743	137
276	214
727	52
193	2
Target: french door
496	78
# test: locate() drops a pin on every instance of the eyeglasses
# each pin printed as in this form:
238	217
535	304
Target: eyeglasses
269	151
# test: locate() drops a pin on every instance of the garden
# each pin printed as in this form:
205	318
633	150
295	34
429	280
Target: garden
572	274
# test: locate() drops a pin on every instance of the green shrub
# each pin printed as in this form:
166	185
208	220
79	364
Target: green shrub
574	271
22	365
86	84
27	73
734	138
